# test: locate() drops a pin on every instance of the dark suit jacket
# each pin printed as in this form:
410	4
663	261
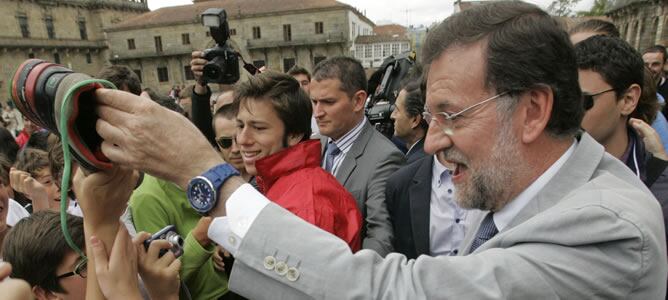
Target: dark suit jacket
416	152
408	194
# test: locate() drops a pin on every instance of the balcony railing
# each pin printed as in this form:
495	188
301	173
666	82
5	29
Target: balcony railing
316	39
16	42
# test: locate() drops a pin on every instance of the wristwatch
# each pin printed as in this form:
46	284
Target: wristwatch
203	190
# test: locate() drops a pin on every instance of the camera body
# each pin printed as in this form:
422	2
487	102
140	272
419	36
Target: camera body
384	87
223	65
169	234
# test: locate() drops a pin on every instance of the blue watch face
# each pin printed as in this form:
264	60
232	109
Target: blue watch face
201	195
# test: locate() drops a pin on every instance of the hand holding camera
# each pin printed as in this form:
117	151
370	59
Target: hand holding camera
160	273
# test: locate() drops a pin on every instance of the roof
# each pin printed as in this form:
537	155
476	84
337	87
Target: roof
236	9
619	4
372	39
390	29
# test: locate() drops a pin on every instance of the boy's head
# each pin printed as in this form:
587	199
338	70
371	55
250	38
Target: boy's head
36	163
37	250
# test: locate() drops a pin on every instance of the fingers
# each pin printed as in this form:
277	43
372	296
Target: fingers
175	266
5	270
140	238
197	54
120	100
155	247
100	255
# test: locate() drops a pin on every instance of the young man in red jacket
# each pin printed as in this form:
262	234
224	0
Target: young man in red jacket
274	126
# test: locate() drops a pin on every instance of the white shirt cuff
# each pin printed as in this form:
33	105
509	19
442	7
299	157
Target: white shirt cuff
243	207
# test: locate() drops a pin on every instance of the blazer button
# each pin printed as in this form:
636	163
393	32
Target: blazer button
269	262
293	274
281	268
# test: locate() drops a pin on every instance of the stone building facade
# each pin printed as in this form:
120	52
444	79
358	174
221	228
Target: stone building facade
69	32
277	34
642	23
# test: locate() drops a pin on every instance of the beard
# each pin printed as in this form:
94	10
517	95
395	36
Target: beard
490	182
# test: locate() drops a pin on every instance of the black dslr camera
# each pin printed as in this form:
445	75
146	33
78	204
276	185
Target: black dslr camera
223	65
384	86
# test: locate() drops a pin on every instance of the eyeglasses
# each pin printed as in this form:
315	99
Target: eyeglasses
446	120
224	142
588	99
81	269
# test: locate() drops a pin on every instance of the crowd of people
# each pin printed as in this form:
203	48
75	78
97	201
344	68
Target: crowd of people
534	167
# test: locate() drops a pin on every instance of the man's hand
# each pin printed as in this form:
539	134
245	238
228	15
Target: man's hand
140	134
23	183
159	274
197	67
218	255
117	272
649	136
12	289
104	195
200	231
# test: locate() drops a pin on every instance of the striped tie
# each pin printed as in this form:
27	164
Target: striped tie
486	231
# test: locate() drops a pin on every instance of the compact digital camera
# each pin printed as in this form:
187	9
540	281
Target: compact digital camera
168	234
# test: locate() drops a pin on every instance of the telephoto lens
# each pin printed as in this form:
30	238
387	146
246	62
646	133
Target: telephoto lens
63	102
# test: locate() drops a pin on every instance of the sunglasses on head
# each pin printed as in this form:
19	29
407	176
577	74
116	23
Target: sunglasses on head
224	142
588	99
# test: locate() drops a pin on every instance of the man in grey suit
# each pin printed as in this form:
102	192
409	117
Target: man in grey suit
566	221
354	152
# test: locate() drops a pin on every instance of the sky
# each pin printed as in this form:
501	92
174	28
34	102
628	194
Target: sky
418	12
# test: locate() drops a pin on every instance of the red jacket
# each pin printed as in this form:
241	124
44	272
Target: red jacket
293	179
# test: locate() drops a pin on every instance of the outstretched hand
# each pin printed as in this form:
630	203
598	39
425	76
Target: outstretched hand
103	196
159	274
117	271
650	138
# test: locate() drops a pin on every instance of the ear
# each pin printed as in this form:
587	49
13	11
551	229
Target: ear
294	139
359	98
415	121
41	294
534	112
629	100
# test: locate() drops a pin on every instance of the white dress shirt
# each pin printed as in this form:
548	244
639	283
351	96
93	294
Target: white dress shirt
344	144
447	221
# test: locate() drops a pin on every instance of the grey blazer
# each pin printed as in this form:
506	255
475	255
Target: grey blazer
363	172
594	232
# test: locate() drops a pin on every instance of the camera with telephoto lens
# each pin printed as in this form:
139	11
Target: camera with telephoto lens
223	65
168	234
384	86
39	89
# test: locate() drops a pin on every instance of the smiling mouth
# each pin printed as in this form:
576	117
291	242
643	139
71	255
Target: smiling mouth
249	155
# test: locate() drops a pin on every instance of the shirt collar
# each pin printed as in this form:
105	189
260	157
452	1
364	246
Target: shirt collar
503	217
346	141
413	146
438	170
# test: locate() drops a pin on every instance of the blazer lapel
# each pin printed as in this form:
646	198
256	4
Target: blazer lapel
350	161
419	195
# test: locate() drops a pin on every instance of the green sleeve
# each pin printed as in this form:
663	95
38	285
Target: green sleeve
194	256
149	213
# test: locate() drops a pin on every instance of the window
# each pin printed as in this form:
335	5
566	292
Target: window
395	48
131	44
318	28
404	47
89	58
185	38
233	31
353	30
158	43
359	51
189	73
258	63
386	50
23	23
138	72
56	58
367	51
256	32
288	63
82	29
31	55
287	32
208	34
50	30
163	75
377	50
318	59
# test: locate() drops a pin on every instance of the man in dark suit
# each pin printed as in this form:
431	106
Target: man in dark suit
409	126
359	156
425	217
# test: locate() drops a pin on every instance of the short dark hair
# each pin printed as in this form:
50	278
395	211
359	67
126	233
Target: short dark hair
8	145
346	69
526	48
291	103
120	76
36	246
298	70
38	140
595	25
5	165
32	160
614	59
226	111
415	100
657	49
